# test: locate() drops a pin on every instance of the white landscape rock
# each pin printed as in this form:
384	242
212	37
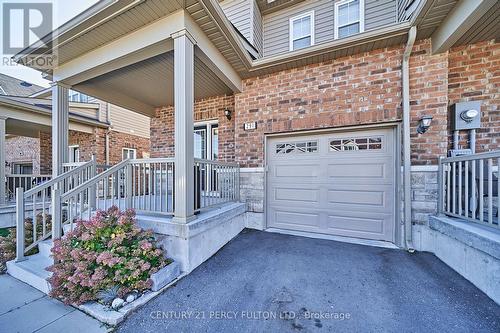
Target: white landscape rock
130	298
117	303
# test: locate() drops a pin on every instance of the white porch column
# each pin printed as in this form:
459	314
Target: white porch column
2	159
183	105
60	127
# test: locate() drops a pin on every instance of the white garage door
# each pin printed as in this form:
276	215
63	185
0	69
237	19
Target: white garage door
338	183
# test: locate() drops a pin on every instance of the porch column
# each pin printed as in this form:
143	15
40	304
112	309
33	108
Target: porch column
60	127
183	105
2	160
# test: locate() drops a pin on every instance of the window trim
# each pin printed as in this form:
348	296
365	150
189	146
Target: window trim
130	149
71	150
290	29
336	17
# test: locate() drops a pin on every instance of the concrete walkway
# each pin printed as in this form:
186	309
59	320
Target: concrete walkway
25	309
265	282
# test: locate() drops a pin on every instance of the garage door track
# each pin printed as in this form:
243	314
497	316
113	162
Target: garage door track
266	282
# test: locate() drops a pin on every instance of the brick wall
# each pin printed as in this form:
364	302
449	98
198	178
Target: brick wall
22	149
118	141
162	126
474	75
95	144
360	89
428	96
45	152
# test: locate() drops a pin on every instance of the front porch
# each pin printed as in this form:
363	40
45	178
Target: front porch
189	199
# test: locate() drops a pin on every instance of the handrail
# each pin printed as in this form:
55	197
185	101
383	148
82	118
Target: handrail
478	156
153	160
229	164
94	180
57	179
26	175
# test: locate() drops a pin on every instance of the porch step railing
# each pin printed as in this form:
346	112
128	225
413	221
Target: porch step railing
215	183
37	203
27	182
146	185
469	187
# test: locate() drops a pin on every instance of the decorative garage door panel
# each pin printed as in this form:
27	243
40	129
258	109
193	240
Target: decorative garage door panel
337	183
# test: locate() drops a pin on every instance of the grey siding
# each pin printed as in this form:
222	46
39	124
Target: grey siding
239	13
378	13
257	28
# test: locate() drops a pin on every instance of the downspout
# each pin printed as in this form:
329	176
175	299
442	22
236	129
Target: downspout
405	71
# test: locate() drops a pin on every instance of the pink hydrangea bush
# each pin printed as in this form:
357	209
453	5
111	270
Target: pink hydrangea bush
108	251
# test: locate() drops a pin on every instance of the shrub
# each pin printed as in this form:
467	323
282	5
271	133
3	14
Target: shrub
109	251
8	243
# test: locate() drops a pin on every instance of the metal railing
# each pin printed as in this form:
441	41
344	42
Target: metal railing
146	185
37	204
469	187
215	183
27	182
152	183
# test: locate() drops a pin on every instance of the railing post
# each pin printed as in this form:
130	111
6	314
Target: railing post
237	185
56	214
441	186
93	188
128	185
20	224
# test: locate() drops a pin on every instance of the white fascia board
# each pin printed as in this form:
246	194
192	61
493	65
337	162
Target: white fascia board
141	44
212	57
461	18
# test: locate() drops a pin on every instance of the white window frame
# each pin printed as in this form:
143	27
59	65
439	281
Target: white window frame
129	149
336	17
71	153
290	29
209	126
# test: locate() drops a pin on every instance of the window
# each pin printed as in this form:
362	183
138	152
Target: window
74	154
75	96
349	18
302	31
130	153
297	147
22	168
206	140
372	143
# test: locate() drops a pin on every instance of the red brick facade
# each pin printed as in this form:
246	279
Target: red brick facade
94	144
21	149
355	90
162	126
474	75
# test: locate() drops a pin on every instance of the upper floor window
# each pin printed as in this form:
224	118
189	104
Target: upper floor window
349	18
302	31
75	96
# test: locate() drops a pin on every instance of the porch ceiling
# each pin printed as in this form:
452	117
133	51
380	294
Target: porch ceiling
150	84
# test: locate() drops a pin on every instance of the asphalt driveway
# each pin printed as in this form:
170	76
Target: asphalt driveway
265	282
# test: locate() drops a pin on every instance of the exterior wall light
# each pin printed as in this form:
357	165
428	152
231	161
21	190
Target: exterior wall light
469	115
424	124
227	113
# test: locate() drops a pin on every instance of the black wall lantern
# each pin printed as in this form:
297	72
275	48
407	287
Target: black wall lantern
227	113
424	124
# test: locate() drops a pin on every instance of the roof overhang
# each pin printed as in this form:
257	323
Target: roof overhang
18	110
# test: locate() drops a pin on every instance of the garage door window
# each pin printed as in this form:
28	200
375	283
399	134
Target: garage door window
365	143
297	147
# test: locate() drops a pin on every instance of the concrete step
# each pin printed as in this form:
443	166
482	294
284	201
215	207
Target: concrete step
32	271
45	247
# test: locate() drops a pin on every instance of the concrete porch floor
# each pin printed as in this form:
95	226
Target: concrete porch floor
379	289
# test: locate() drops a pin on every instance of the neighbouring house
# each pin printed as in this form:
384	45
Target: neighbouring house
344	119
96	128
